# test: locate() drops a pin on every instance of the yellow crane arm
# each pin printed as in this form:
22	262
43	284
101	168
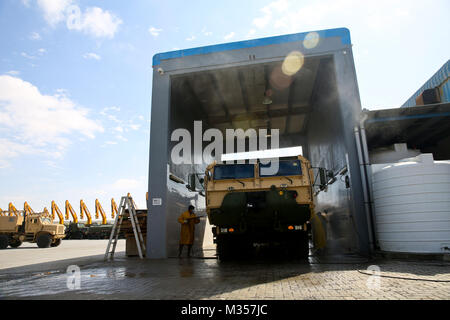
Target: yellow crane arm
99	209
134	203
56	210
84	210
12	210
27	209
70	210
114	210
1	212
46	213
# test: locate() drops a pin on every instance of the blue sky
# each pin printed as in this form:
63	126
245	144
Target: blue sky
75	97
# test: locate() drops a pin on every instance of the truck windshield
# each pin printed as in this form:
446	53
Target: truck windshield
234	171
285	168
46	220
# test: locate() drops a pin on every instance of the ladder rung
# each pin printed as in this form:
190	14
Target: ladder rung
117	224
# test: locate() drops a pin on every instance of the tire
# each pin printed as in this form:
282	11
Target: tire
44	240
226	251
297	245
303	250
77	235
3	241
224	248
56	243
14	243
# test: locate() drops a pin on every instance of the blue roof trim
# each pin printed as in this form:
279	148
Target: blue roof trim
343	33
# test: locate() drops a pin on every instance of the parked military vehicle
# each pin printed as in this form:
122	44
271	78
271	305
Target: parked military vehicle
76	231
99	231
248	206
36	228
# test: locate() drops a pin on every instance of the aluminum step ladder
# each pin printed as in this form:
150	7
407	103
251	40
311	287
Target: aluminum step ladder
126	203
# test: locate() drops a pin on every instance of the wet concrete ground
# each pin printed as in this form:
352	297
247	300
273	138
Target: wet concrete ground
273	277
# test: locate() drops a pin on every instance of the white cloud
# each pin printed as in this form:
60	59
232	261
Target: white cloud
54	10
107	109
91	55
34	121
26	55
26	3
268	11
13	73
134	126
229	36
121	138
191	38
39	52
35	36
206	33
118	126
154	31
10	149
99	23
94	21
378	16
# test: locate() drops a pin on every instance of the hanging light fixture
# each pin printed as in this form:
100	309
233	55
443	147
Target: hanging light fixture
267	100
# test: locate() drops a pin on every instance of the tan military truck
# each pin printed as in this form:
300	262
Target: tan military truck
247	206
14	230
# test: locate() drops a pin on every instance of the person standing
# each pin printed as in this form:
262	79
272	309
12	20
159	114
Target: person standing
188	220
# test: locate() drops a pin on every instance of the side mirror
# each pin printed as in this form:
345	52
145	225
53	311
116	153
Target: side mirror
201	180
347	182
191	182
330	174
323	178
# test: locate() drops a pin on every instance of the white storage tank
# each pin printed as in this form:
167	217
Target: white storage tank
412	205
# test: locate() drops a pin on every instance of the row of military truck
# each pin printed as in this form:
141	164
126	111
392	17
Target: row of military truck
40	229
18	226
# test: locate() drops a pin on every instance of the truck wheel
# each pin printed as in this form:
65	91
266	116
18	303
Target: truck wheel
3	241
77	235
304	246
297	245
14	243
223	249
56	243
44	240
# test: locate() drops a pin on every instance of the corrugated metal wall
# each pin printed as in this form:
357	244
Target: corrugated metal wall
440	80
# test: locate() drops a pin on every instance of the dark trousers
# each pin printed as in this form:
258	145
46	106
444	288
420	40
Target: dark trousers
180	249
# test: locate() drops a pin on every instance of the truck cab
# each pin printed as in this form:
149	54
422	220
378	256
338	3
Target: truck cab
35	228
248	206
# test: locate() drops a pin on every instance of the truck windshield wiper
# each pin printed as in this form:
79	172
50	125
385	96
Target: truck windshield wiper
290	180
243	184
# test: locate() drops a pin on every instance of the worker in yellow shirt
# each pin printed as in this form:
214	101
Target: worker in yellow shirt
188	220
